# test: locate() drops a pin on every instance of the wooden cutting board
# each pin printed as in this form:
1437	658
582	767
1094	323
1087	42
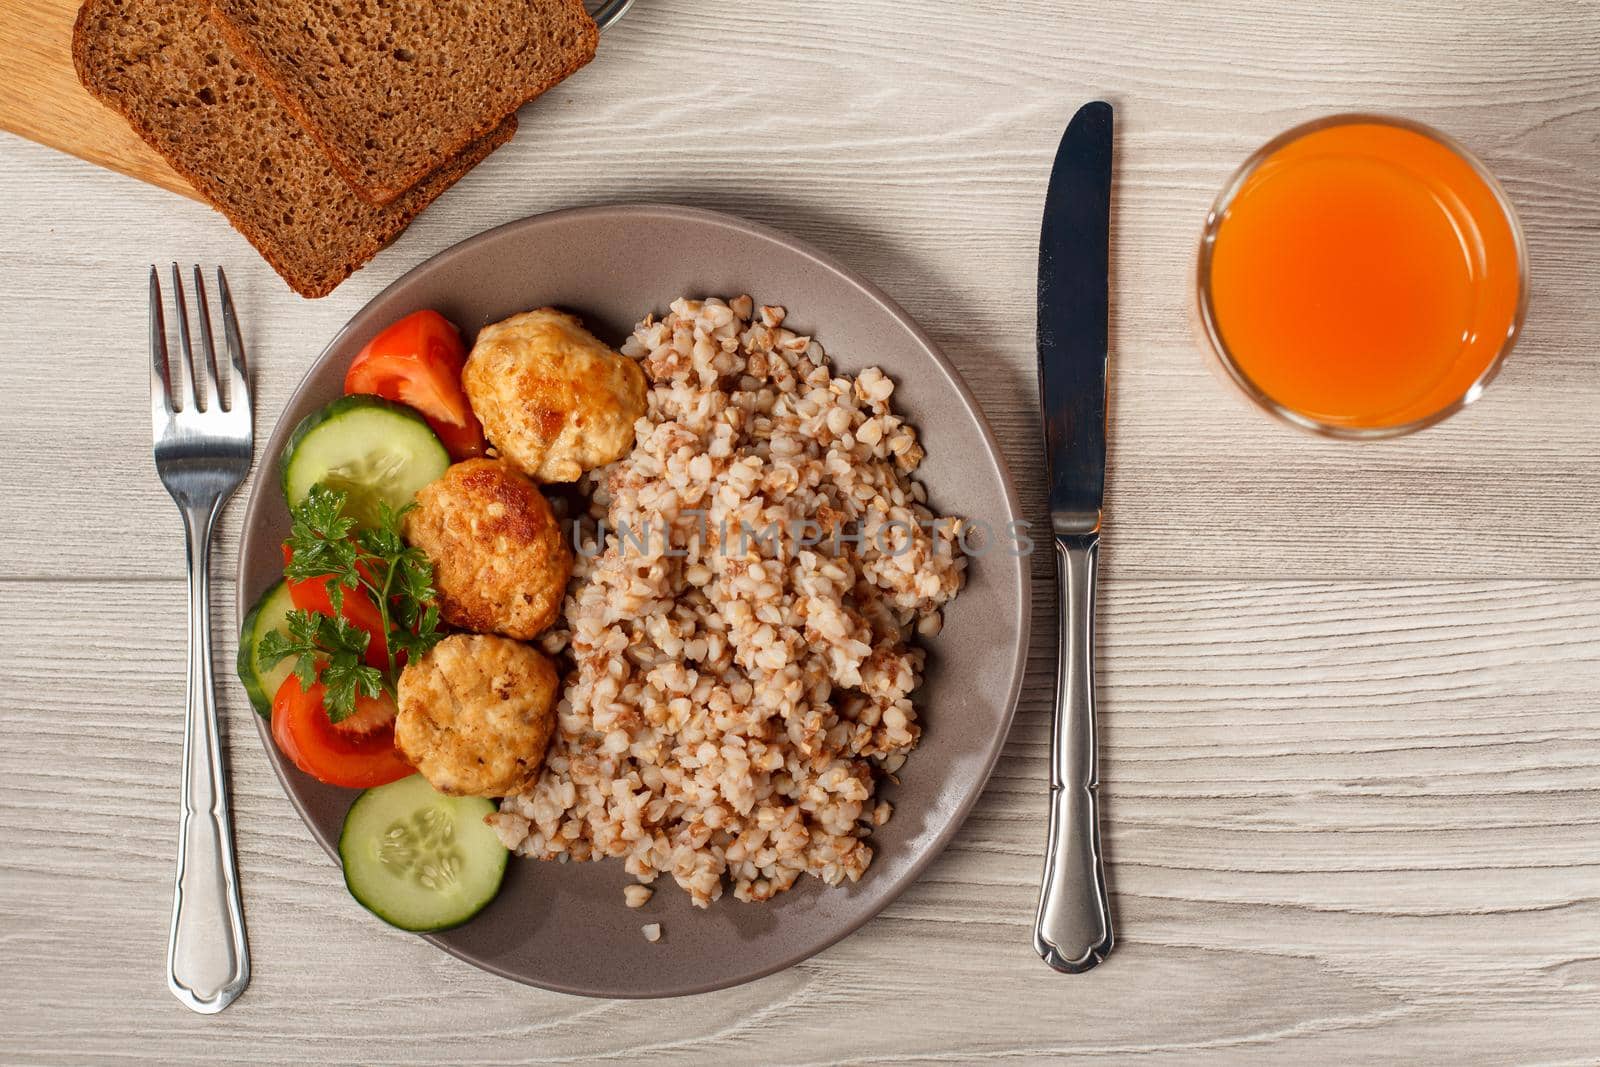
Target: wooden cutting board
40	97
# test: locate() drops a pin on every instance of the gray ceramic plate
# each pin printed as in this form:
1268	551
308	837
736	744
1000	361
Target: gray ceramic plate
564	926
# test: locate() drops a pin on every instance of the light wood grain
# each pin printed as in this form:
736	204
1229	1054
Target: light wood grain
919	157
1350	695
1345	818
40	97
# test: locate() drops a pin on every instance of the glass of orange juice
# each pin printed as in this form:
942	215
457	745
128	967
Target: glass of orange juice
1362	276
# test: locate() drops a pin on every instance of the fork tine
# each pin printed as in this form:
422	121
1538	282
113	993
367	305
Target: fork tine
203	318
160	397
239	378
186	395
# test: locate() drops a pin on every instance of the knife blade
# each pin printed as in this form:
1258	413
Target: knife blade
1074	306
1073	931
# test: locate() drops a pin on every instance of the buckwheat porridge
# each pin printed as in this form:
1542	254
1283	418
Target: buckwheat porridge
741	646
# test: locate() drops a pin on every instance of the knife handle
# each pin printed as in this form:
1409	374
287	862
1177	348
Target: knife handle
1073	930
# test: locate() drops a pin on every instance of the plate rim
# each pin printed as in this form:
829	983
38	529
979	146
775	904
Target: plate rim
953	380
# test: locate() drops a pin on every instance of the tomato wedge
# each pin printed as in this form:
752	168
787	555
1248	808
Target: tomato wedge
358	753
358	610
417	361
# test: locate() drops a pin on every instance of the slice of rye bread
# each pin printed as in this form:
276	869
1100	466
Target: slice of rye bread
393	88
165	67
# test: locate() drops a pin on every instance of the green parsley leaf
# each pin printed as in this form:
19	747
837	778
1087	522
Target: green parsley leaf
300	642
373	562
320	545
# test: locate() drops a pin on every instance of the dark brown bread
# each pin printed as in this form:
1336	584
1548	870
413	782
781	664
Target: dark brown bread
164	66
393	88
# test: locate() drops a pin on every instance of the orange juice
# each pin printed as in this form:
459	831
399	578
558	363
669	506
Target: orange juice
1362	276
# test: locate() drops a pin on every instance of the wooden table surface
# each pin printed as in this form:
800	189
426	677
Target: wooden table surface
1350	694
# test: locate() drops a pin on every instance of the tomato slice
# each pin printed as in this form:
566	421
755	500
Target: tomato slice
358	610
417	361
462	442
358	753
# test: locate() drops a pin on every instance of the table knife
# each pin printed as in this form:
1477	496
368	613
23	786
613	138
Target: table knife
1073	930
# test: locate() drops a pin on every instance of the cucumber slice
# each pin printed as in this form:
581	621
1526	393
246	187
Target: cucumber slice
368	447
418	859
261	683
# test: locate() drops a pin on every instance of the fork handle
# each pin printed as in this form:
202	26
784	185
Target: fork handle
208	961
1073	929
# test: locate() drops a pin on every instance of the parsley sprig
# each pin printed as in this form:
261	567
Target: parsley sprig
329	649
375	561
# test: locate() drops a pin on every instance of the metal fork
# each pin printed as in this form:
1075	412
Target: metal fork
202	451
